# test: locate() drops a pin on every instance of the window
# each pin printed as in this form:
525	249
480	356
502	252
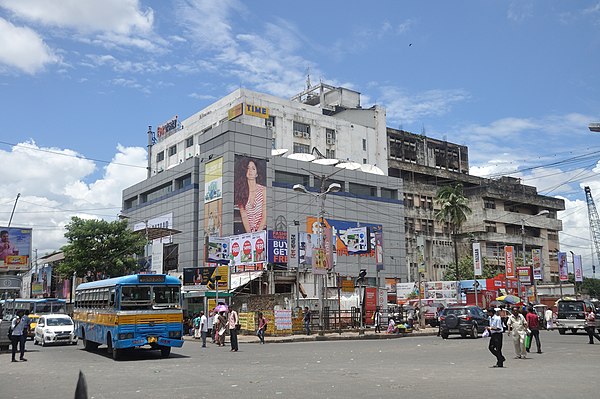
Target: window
301	148
189	142
328	182
156	193
301	130
172	150
364	144
130	203
329	153
363	190
291	178
365	161
160	156
409	225
389	193
409	202
489	203
183	182
490	227
270	122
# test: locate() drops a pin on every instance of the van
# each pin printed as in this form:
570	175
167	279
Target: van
572	314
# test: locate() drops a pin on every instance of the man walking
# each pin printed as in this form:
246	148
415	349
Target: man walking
377	320
517	327
306	320
233	322
19	326
203	328
549	316
533	322
496	329
590	327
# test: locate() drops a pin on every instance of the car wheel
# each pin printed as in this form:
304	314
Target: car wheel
445	335
562	331
474	333
43	343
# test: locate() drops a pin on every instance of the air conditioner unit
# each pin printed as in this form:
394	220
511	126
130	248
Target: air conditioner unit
306	135
297	133
329	136
269	124
330	141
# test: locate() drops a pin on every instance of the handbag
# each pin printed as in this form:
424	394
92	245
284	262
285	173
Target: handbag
238	327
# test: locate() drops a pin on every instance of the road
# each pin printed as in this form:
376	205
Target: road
418	367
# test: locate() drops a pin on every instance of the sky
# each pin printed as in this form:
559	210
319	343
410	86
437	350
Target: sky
81	81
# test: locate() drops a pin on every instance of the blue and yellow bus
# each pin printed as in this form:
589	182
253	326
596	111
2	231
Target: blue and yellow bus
130	311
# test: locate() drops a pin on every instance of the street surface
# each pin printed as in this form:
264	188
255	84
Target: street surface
415	367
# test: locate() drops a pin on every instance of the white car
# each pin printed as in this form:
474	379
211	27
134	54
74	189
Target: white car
54	328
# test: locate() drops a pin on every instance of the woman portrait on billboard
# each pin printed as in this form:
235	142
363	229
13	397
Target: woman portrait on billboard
251	193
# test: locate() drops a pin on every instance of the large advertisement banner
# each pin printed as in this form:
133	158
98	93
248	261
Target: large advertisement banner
248	252
250	195
343	233
524	274
213	180
206	277
308	245
277	246
15	248
218	250
358	240
509	259
578	267
477	264
379	250
563	270
293	246
536	255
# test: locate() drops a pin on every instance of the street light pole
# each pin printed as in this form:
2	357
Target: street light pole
333	187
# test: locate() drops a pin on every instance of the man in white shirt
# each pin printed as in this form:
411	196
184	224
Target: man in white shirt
548	316
19	326
496	329
232	322
203	328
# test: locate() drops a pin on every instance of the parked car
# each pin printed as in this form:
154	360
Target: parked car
572	314
54	328
464	320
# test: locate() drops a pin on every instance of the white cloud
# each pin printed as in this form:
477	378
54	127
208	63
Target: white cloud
23	49
118	16
52	185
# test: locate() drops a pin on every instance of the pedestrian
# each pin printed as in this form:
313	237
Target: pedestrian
377	320
590	327
222	328
19	327
548	316
203	328
517	327
262	327
196	323
533	323
234	320
496	329
306	320
211	319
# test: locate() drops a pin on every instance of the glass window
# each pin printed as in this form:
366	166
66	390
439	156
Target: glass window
59	321
135	297
389	193
172	150
183	181
301	128
160	156
364	144
189	142
301	148
165	297
291	178
362	189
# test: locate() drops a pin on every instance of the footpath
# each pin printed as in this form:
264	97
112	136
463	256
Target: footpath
328	336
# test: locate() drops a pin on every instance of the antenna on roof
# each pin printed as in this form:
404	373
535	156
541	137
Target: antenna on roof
423	130
307	77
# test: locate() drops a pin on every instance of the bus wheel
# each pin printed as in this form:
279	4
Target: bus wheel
165	351
88	345
116	353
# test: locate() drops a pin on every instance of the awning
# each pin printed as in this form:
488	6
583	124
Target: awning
237	280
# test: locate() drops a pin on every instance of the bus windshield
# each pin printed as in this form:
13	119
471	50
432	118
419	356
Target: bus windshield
49	307
146	297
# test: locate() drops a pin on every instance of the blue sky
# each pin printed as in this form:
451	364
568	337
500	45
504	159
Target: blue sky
516	81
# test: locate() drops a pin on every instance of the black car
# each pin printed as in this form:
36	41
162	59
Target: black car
464	320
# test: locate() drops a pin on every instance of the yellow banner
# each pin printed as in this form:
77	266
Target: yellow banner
255	110
235	111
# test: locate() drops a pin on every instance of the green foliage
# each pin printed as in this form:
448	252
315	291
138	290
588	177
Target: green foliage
466	272
100	247
591	286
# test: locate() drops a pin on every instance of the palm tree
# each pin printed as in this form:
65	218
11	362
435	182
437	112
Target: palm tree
454	209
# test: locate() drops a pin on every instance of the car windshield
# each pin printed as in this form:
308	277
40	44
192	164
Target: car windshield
570	306
58	321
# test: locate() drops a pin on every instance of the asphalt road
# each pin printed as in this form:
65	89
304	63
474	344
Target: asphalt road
417	367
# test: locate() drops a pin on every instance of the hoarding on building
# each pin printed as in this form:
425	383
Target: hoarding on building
563	270
577	266
536	255
340	233
250	195
477	264
205	277
277	246
509	261
248	251
15	249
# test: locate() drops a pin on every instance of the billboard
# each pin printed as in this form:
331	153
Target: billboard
379	250
477	266
563	269
15	248
358	240
248	251
342	235
213	197
509	259
205	277
293	241
250	195
218	250
577	266
536	255
277	246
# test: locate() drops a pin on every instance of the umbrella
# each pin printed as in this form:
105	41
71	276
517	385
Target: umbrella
221	308
511	299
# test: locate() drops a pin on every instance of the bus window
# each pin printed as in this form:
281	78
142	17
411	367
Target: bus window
111	302
135	297
165	297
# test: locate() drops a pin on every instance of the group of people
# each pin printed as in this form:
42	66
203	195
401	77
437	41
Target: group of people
217	324
523	328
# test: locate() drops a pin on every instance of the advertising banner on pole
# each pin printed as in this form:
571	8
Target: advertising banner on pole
358	240
536	255
477	264
379	250
509	259
293	242
563	269
578	268
523	273
277	247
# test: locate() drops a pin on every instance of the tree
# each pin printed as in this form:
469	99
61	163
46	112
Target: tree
591	286
100	247
467	272
453	210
